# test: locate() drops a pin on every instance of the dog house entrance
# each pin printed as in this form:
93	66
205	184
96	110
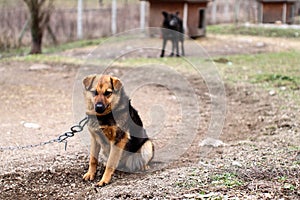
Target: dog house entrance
201	22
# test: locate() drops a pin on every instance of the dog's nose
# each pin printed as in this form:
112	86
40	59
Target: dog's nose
99	107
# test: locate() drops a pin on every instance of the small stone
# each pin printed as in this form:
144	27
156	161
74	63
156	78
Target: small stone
260	44
229	63
37	67
282	88
189	195
51	170
268	195
212	142
272	92
236	163
31	125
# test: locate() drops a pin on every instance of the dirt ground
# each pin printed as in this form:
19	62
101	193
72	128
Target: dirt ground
258	159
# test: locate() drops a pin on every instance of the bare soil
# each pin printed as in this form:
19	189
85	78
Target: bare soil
259	158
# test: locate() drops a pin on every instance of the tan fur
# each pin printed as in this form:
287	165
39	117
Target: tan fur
110	140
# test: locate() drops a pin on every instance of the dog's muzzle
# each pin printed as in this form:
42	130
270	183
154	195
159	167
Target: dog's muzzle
99	107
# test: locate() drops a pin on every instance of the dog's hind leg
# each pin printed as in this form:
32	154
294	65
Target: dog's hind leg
182	48
173	47
163	48
139	161
177	48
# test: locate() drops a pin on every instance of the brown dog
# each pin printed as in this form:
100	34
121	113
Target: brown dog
115	127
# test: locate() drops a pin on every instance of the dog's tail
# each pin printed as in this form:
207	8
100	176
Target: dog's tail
139	161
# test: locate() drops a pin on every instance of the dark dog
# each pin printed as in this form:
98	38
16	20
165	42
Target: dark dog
115	127
172	29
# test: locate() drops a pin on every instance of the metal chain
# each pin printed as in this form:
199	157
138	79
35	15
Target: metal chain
61	138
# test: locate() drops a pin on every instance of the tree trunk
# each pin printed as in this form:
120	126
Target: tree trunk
40	15
36	46
36	32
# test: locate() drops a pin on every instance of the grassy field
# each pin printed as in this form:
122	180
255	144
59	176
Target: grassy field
278	71
256	31
275	72
270	70
273	67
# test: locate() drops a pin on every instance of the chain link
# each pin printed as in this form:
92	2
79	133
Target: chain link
61	138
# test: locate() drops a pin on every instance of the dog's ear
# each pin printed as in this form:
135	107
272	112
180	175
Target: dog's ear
115	83
88	81
177	13
165	14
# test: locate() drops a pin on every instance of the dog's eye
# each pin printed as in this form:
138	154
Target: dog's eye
95	93
107	93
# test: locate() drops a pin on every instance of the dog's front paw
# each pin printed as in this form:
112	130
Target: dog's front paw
89	176
101	183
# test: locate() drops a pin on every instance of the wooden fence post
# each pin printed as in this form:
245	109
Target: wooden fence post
236	11
114	16
284	10
142	15
226	12
185	18
214	12
79	19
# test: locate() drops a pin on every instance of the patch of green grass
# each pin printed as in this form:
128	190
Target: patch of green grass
294	148
285	184
229	180
279	72
282	178
187	184
255	31
72	45
278	80
49	49
177	64
42	58
289	186
189	65
9	52
296	163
